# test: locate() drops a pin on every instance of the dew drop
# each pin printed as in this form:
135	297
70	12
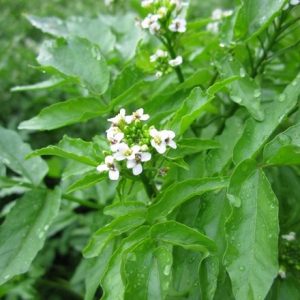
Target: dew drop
242	72
282	97
167	270
257	93
242	268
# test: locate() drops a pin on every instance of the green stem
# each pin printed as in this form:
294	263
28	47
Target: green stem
168	44
149	187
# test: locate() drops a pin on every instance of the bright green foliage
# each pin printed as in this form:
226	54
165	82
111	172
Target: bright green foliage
164	150
252	234
13	153
24	231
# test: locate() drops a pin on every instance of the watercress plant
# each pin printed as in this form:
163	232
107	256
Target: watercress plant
175	168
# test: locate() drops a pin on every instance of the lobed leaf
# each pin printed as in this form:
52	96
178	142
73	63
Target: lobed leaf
24	230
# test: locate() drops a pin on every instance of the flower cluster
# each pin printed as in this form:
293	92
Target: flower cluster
132	143
291	3
163	62
217	15
164	15
165	21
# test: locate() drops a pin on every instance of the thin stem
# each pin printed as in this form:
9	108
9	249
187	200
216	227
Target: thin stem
150	188
173	55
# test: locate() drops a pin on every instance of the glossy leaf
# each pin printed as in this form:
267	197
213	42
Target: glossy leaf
94	30
79	59
245	91
86	181
13	152
118	226
252	262
218	159
284	149
24	230
256	133
112	282
181	235
181	192
190	110
65	113
255	15
152	280
124	208
76	149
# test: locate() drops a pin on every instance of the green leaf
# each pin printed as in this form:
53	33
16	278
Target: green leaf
65	113
284	149
94	30
190	146
245	91
23	232
219	85
50	83
181	192
190	110
13	152
252	234
75	149
95	271
181	235
218	159
112	282
256	133
123	208
152	280
86	181
118	226
77	58
255	15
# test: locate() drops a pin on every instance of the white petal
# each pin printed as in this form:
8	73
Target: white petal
140	112
128	119
113	174
172	144
137	170
102	168
153	132
145	156
145	117
161	148
109	159
164	134
119	156
135	149
131	163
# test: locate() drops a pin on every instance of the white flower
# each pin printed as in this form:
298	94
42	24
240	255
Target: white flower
147	3
213	27
136	158
289	237
294	2
158	74
158	54
137	115
151	23
110	166
176	61
228	12
161	139
108	2
217	14
114	136
118	118
178	25
122	152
